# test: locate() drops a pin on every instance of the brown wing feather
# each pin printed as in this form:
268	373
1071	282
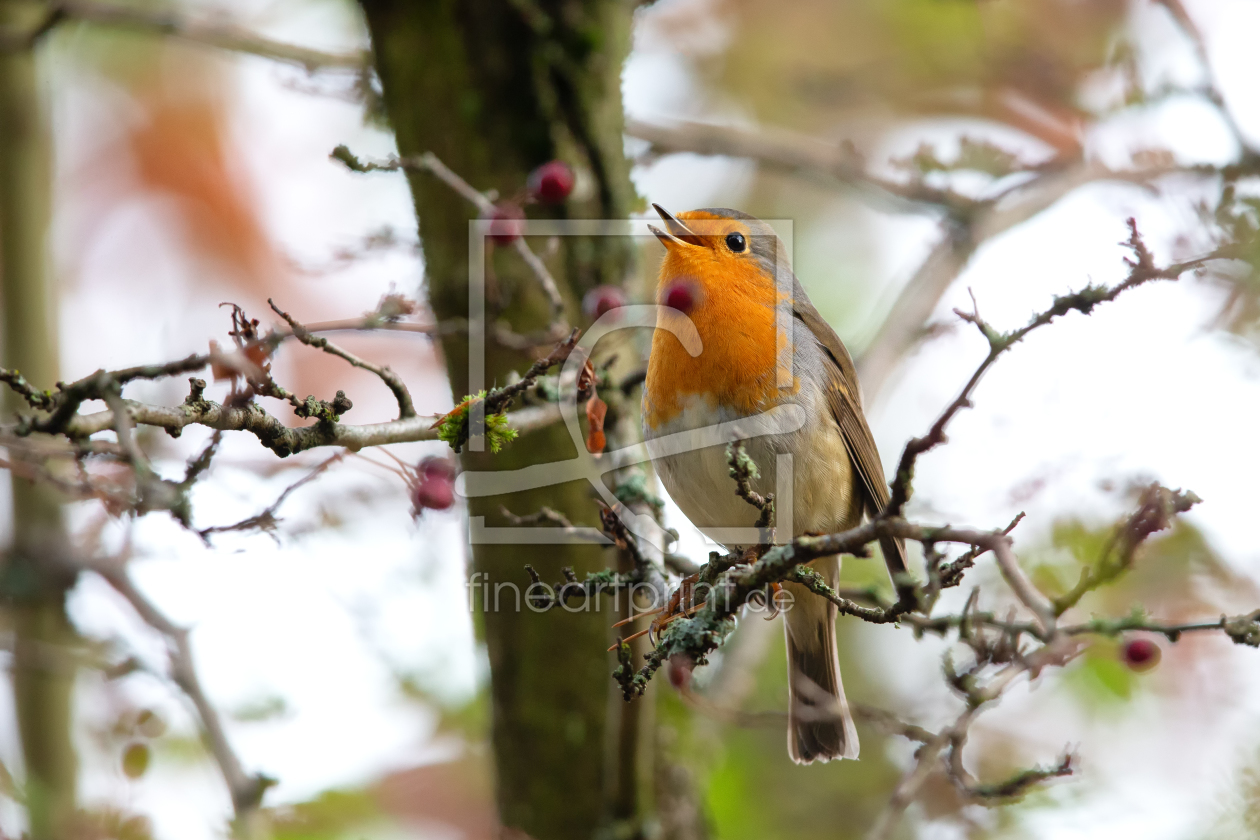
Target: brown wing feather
845	402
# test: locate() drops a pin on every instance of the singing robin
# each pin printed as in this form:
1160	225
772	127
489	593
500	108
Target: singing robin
730	274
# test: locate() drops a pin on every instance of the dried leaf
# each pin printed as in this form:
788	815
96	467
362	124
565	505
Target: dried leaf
258	353
231	365
218	368
595	411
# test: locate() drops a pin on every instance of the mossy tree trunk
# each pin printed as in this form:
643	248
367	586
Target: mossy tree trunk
33	583
495	88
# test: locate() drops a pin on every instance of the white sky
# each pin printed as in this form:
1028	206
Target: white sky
1142	387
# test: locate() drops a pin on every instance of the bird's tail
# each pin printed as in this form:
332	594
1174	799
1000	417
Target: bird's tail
820	726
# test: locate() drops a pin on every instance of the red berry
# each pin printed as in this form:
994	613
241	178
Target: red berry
507	223
1140	654
682	295
680	668
435	466
551	183
434	495
435	485
602	299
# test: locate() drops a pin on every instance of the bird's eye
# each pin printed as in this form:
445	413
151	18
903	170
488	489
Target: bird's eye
735	241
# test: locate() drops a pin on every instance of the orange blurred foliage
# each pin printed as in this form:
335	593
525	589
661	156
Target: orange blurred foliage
179	150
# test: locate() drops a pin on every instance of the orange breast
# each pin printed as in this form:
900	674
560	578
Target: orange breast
735	318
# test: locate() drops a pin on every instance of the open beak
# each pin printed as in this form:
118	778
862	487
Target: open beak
678	233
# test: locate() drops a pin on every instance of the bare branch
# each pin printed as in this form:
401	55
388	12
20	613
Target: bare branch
1155	512
743	469
543	515
1018	783
246	790
1212	89
908	788
222	37
392	380
475	415
904	325
1242	629
952	572
501	398
794	153
42	400
1142	270
1019	583
285	440
968	222
266	519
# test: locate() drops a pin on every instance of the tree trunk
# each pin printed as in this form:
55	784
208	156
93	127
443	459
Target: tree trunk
33	584
495	88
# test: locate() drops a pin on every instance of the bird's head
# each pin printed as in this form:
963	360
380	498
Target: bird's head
728	273
721	255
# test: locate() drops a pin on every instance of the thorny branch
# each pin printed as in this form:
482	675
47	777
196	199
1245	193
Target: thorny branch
33	443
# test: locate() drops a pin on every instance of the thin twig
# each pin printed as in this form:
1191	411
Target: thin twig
246	790
429	162
1142	270
1156	509
744	470
968	222
543	516
392	381
266	519
908	787
792	152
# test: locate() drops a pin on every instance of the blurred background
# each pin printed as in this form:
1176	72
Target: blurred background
339	646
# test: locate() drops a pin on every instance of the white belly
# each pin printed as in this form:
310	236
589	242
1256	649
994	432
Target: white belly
821	497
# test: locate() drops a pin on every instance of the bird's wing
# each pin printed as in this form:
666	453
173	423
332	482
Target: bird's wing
845	402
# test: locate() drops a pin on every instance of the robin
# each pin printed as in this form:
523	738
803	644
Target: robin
730	274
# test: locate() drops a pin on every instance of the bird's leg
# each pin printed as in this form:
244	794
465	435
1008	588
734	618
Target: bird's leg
773	605
677	605
659	624
637	616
